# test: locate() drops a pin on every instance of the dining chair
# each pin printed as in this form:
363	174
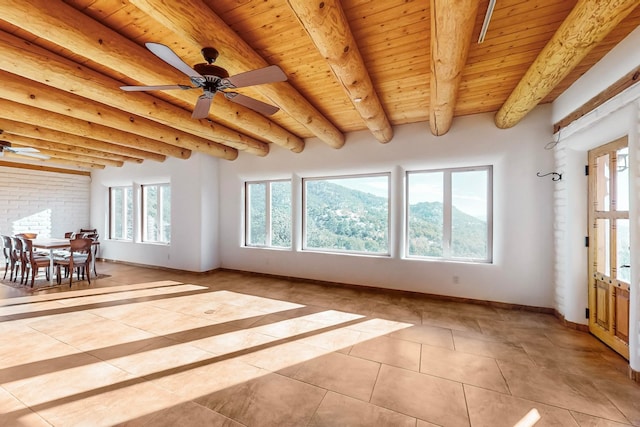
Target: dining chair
6	252
16	254
32	261
79	259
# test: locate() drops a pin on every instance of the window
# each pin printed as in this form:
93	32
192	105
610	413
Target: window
268	214
449	214
347	214
121	213
156	213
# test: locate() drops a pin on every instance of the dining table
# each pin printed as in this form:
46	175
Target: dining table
51	244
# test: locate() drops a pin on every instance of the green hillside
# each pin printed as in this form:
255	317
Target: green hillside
342	218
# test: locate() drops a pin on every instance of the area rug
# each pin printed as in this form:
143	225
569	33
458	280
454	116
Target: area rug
42	284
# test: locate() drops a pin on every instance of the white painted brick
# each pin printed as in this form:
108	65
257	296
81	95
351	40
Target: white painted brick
43	202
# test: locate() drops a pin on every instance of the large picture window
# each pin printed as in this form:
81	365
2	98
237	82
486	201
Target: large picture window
156	213
449	214
347	214
268	214
121	213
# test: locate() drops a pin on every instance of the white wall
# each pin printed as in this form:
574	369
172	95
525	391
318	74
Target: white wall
614	119
47	203
521	272
194	207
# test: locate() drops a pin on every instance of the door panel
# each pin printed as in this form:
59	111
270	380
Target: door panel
609	255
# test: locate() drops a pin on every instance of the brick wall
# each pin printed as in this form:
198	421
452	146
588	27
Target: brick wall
47	203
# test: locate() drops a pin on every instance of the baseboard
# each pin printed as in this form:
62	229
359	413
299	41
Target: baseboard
571	325
496	304
634	375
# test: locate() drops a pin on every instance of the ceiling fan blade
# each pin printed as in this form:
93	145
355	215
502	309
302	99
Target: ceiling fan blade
22	150
162	87
254	104
167	55
34	155
269	74
201	110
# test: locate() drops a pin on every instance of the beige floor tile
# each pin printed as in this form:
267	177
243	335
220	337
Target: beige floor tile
392	351
428	398
86	375
282	355
625	394
560	389
585	420
148	344
15	413
490	409
450	321
462	367
194	381
341	339
186	414
497	350
270	400
424	334
108	406
339	410
343	374
160	355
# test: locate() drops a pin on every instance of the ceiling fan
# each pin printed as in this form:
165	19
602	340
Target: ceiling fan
213	79
5	147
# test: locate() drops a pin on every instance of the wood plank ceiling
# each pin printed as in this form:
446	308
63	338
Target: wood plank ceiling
351	65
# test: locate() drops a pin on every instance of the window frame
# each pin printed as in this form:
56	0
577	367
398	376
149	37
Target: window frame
268	214
305	247
123	214
447	220
144	216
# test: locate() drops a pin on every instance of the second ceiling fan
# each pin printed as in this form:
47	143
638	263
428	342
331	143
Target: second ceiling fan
213	79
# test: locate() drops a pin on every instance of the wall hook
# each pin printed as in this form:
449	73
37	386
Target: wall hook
556	176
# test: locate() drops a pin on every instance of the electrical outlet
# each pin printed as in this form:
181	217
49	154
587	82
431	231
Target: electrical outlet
456	280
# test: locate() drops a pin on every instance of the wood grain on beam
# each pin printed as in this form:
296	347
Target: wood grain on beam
42	168
451	29
100	157
37	117
630	79
64	155
37	64
587	24
94	41
197	25
28	92
327	25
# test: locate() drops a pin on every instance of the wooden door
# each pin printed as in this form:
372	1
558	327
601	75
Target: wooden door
609	254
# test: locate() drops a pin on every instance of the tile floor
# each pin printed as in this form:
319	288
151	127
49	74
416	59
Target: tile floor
146	347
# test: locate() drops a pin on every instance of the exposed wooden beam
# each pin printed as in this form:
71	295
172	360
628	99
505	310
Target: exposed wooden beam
37	64
55	149
77	164
79	33
587	24
167	140
64	155
327	25
452	25
198	26
38	117
616	88
42	168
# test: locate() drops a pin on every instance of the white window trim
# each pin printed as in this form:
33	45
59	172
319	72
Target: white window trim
123	213
268	225
447	213
160	203
305	248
